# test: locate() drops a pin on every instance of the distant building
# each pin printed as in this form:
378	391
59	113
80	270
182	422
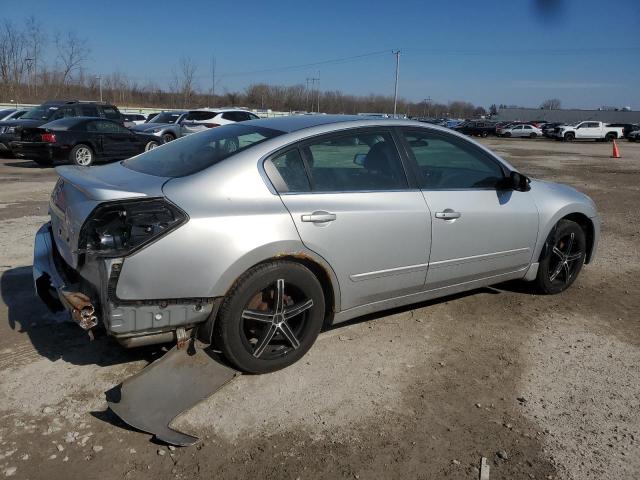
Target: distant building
565	116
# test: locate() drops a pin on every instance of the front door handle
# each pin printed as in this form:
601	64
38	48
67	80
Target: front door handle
319	217
448	214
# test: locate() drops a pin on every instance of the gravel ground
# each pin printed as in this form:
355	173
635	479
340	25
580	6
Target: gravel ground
544	387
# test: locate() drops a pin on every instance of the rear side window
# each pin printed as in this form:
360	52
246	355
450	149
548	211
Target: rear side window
194	153
102	126
288	173
356	162
111	113
449	163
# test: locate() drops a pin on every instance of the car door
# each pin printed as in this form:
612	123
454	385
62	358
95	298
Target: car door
517	131
585	130
479	230
117	142
351	202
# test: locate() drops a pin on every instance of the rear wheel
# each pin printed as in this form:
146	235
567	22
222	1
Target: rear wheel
484	134
533	135
271	317
81	155
610	137
565	254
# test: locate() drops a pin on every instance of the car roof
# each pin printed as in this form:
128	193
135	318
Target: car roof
294	123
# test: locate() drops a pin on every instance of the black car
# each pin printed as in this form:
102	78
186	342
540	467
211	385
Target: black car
81	141
54	110
477	128
549	129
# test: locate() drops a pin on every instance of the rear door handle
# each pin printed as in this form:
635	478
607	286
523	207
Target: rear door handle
448	214
319	217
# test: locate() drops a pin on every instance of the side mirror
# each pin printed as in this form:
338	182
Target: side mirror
359	159
519	182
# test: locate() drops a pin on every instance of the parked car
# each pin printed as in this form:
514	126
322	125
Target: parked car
634	136
151	116
548	130
132	119
477	128
588	130
627	128
266	230
521	131
81	141
198	120
54	110
12	113
165	125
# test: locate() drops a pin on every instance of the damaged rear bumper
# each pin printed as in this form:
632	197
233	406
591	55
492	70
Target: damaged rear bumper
91	299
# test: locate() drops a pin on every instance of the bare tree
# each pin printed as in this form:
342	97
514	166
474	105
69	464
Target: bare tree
34	38
551	104
12	58
183	80
72	53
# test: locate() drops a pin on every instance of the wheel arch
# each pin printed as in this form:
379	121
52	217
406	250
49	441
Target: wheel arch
587	226
318	267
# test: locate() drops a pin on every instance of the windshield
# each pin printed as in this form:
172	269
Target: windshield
198	151
165	117
40	113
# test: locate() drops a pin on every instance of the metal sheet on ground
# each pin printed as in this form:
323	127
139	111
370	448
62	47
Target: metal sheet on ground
154	397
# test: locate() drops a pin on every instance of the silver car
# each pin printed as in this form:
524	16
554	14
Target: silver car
261	232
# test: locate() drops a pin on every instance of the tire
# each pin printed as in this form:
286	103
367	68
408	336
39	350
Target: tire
533	135
81	155
168	137
569	137
609	137
251	329
507	134
564	255
484	134
151	145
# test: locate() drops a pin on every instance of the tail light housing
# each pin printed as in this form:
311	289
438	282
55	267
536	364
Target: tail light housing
117	229
48	137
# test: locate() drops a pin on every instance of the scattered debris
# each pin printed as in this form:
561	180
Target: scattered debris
522	400
8	472
132	451
478	405
97	448
47	410
162	452
455	462
484	469
502	454
60	448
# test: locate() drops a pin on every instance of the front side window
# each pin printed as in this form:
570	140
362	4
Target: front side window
356	162
194	153
105	127
449	163
111	113
89	111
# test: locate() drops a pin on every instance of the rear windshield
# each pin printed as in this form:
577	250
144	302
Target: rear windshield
40	113
198	151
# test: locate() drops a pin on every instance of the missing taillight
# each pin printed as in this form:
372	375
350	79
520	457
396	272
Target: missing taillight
117	229
48	137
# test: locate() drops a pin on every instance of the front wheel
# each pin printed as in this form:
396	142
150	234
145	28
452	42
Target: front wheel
569	137
507	134
151	145
81	155
564	255
167	137
271	317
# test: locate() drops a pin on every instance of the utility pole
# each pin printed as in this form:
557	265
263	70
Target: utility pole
99	78
306	100
213	80
395	93
313	81
427	104
318	91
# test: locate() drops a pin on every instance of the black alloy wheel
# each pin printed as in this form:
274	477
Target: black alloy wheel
564	257
271	317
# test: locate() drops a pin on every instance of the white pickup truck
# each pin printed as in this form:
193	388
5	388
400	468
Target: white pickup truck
588	130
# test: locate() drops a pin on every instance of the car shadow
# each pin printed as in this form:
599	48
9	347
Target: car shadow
28	164
53	335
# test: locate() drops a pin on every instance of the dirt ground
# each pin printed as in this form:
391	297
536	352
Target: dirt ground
424	392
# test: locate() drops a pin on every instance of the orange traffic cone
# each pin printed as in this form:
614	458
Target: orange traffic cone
616	152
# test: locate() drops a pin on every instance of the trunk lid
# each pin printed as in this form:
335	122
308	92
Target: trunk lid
80	190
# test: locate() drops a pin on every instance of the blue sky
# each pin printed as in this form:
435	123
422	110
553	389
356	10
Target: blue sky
585	52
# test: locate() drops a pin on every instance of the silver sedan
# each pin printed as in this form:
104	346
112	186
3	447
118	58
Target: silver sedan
255	235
